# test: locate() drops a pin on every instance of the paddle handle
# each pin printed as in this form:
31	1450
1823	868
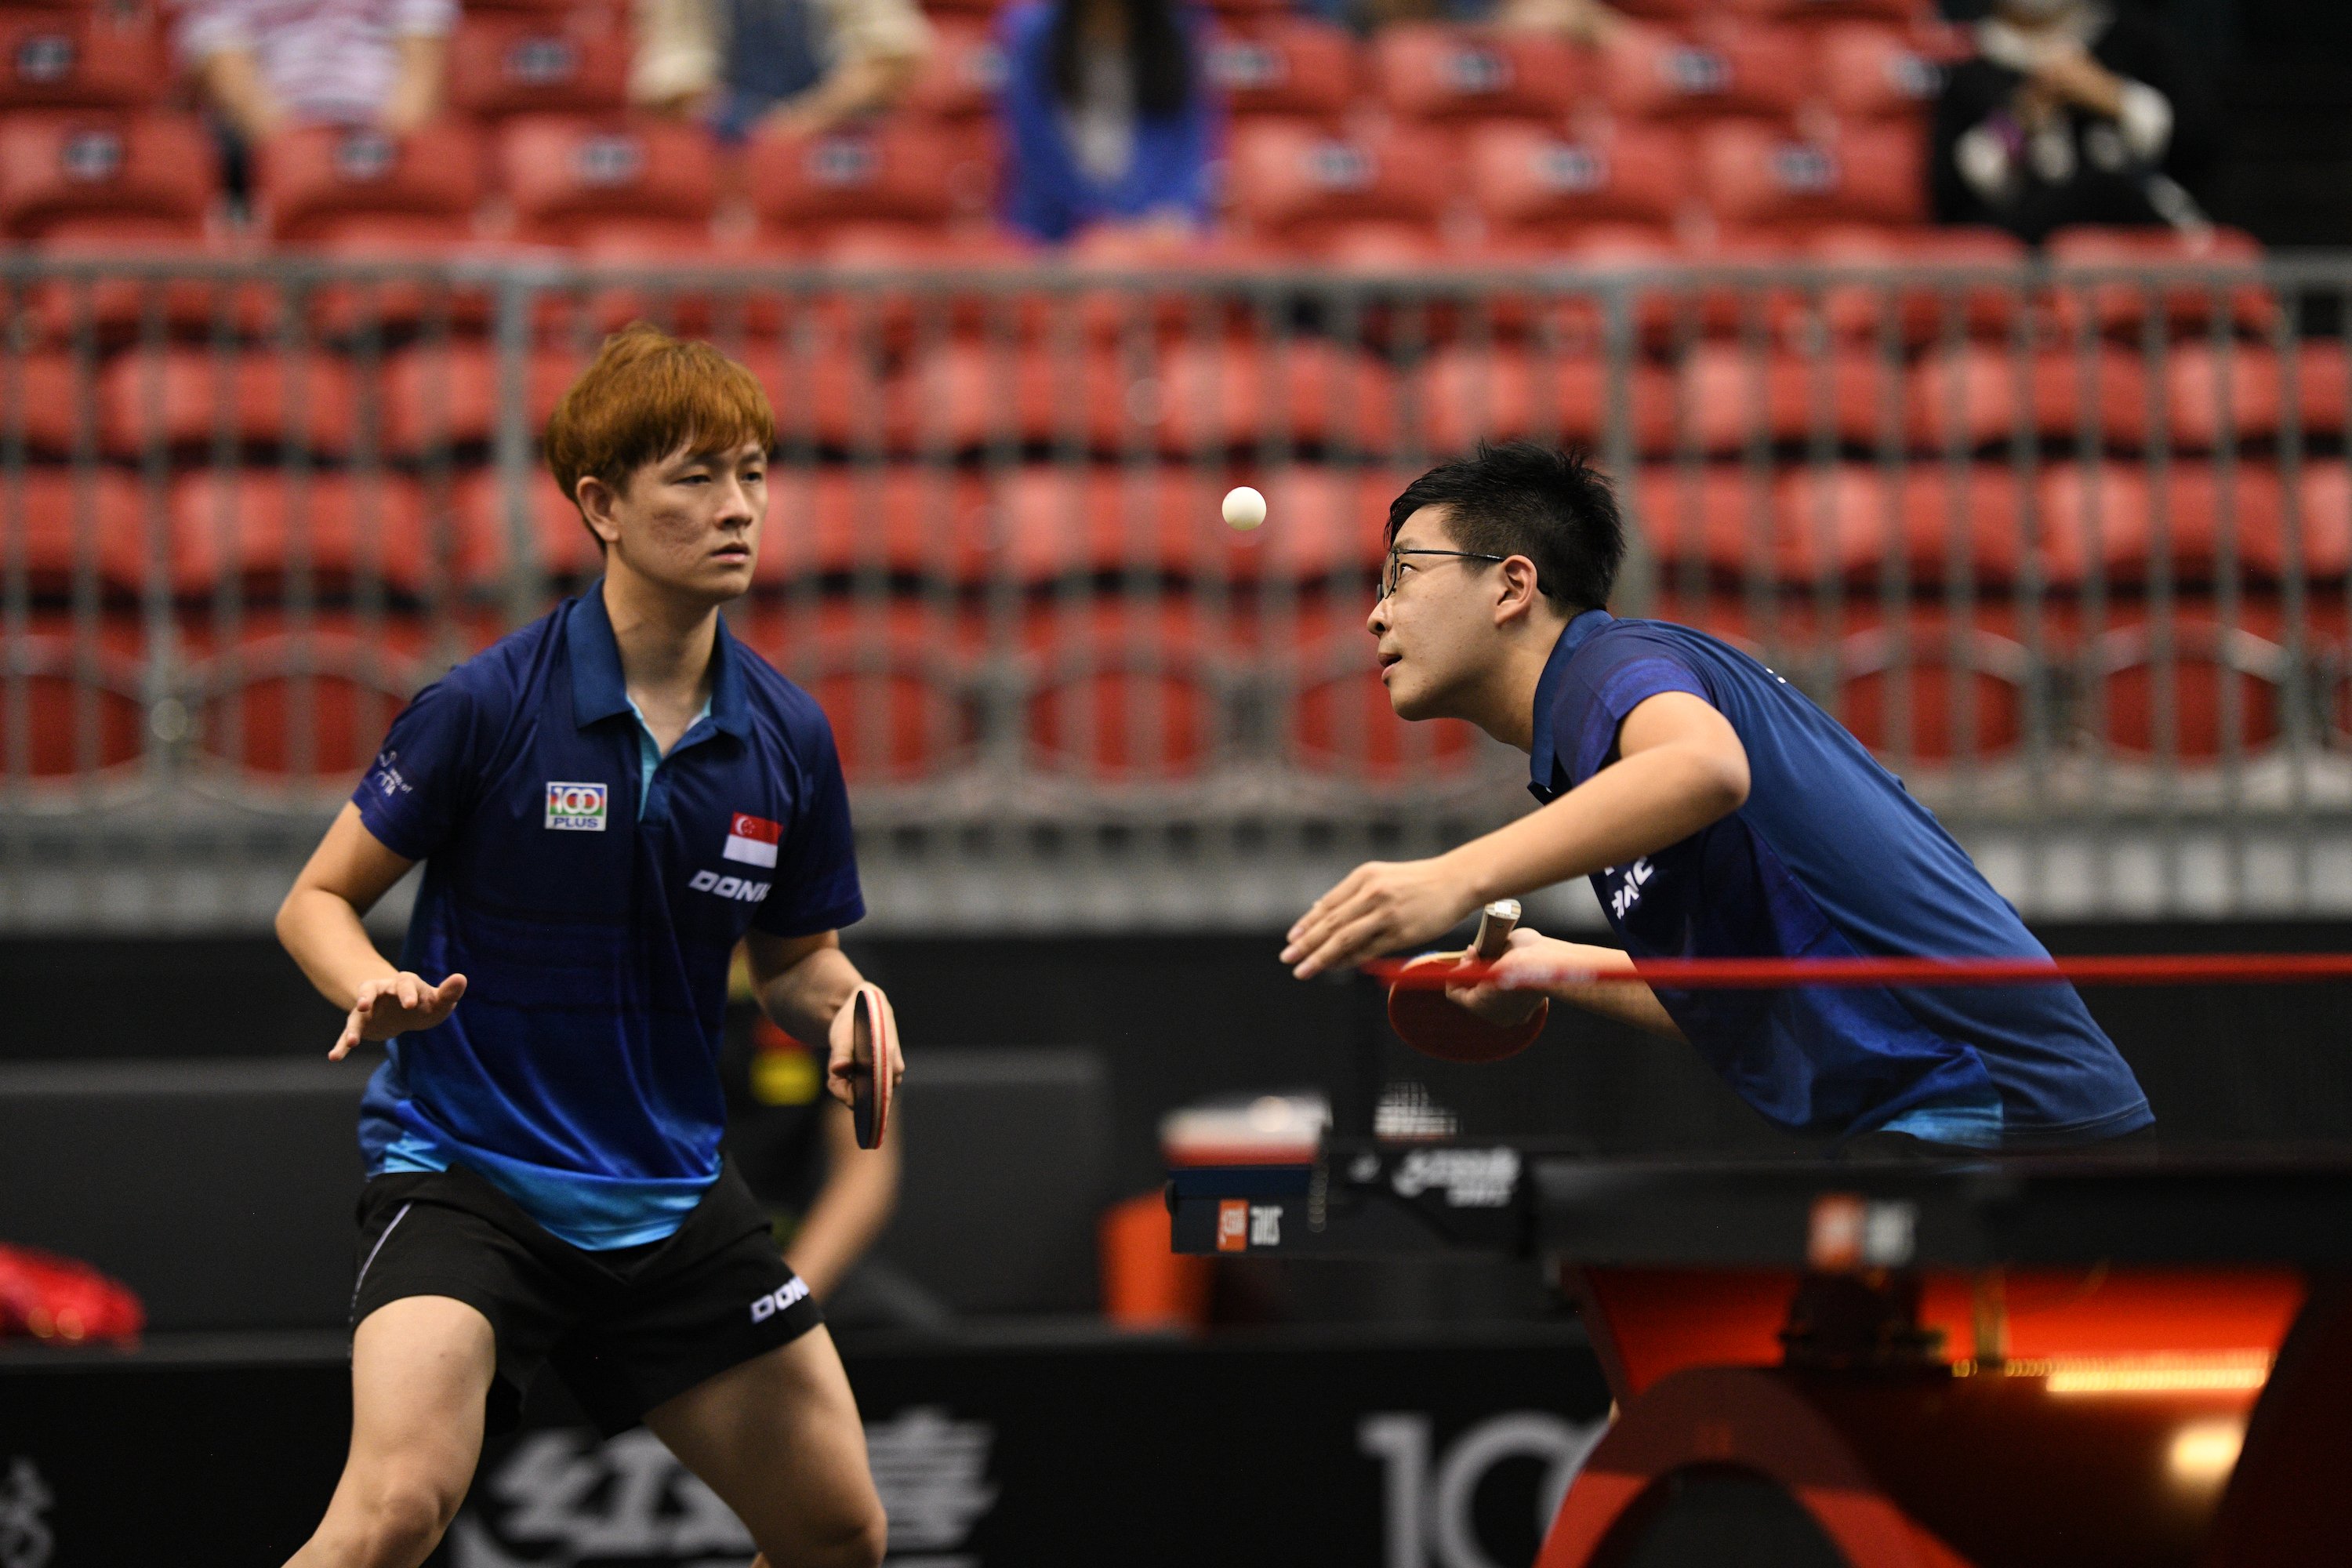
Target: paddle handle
1494	923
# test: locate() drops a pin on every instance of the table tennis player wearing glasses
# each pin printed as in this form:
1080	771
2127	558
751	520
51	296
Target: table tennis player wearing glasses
1719	813
606	802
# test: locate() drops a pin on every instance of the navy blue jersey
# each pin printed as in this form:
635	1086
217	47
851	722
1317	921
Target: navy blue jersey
592	890
1831	857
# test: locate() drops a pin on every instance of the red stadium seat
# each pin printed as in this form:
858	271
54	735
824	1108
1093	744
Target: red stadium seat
1968	397
892	676
1926	308
313	181
2165	686
1533	185
265	524
83	704
481	531
1926	689
1729	399
1809	12
65	519
1646	73
1121	689
1757	175
1295	185
89	57
899	170
1860	523
1429	70
898	519
830	389
1287	66
446	394
575	62
2237	393
99	173
1108	520
960	77
2164	267
572	178
303	700
1508	392
174	399
2109	512
1236	393
53	405
1341	722
1872	71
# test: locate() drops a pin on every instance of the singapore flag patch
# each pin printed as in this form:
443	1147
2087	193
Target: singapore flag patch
753	840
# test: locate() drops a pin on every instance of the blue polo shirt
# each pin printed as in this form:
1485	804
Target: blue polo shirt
1831	857
592	891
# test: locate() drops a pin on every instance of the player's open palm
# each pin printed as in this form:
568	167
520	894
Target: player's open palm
396	1005
1380	906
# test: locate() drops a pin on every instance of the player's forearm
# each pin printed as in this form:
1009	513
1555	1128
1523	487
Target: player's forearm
1634	807
1628	1001
803	998
322	933
846	1217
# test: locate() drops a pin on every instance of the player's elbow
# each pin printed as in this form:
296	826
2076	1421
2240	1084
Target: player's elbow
1720	782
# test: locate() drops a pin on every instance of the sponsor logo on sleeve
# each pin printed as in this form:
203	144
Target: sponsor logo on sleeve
576	807
753	840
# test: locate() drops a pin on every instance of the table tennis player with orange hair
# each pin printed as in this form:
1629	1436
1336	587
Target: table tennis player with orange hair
606	802
1719	813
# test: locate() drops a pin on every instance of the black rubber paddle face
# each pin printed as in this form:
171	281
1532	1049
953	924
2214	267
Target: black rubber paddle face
869	1087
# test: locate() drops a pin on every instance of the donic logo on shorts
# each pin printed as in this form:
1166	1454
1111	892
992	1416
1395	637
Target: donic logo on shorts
776	1301
741	888
578	807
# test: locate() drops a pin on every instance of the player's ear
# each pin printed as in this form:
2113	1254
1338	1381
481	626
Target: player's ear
1518	593
596	501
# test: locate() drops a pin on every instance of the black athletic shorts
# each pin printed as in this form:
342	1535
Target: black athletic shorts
625	1328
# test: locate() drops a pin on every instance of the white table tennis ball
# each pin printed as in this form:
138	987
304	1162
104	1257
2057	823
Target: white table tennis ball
1245	507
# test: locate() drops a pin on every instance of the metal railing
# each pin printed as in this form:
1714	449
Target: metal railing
2072	551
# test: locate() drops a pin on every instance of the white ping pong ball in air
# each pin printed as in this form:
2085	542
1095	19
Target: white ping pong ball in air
1245	507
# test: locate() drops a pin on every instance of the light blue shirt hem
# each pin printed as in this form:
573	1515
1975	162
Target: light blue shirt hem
617	1212
1964	1121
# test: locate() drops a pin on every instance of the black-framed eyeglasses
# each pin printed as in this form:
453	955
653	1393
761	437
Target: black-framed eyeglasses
1393	573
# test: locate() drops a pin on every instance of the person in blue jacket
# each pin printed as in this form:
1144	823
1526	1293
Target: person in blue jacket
1108	116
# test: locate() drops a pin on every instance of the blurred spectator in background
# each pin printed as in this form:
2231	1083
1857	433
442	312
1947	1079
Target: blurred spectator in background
266	65
1108	116
2071	112
798	67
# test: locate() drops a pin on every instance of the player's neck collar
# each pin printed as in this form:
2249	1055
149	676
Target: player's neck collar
599	688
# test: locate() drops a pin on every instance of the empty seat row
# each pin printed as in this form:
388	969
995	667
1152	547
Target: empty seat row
1116	690
1137	690
1432	73
1037	525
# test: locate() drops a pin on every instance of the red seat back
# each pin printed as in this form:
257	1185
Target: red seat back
90	57
568	175
522	62
310	181
151	169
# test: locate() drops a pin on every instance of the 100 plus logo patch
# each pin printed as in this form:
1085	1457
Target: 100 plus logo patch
576	807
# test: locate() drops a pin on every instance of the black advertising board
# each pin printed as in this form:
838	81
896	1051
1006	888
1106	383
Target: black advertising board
1384	1451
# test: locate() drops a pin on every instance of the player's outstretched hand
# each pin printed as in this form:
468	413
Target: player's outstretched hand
394	1005
841	1040
1517	988
1382	905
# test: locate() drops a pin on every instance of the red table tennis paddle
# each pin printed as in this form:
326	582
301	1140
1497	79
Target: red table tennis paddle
1424	1019
874	1042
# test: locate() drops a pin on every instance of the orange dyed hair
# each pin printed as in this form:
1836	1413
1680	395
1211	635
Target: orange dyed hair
648	396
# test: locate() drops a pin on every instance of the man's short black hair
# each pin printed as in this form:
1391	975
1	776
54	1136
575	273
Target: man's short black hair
1549	504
